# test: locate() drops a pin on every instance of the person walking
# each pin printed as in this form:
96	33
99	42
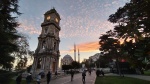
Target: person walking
83	76
29	78
98	72
89	71
56	74
102	72
72	74
18	79
38	79
48	77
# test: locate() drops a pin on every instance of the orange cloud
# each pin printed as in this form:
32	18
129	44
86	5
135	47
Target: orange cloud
64	51
87	47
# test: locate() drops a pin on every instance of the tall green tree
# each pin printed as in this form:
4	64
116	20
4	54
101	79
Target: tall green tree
75	65
8	32
132	30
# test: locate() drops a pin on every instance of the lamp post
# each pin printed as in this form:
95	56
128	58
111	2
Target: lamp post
117	60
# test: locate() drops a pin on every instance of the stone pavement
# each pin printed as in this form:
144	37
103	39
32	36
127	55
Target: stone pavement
90	79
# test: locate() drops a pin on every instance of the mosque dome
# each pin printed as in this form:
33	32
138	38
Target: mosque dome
67	57
67	60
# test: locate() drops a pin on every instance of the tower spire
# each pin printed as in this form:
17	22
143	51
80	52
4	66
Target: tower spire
74	52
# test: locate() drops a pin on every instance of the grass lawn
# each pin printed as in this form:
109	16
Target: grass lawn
119	80
147	73
22	82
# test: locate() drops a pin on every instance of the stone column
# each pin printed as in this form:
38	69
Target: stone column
47	63
56	66
42	63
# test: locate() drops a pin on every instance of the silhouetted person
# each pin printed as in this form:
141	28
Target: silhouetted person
83	76
48	77
89	71
72	74
102	72
98	73
56	74
38	79
18	79
29	78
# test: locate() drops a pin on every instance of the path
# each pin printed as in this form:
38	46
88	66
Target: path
77	79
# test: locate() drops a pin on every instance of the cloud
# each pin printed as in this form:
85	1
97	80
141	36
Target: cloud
86	47
64	51
29	27
77	26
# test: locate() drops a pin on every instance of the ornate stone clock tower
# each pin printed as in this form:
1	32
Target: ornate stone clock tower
46	57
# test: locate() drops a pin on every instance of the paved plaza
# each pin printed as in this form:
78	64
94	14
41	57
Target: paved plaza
90	79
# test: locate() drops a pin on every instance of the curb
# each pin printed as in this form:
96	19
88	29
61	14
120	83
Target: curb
94	81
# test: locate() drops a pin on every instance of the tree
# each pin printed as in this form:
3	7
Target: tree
8	32
23	53
66	67
86	62
75	65
130	38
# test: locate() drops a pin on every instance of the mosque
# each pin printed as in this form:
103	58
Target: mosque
67	59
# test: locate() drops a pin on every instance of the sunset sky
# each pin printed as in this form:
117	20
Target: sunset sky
82	22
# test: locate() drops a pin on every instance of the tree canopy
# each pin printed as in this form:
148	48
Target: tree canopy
8	32
130	38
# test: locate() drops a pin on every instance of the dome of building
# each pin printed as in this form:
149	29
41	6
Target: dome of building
67	57
67	60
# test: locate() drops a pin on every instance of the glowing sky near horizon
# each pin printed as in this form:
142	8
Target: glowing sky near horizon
82	22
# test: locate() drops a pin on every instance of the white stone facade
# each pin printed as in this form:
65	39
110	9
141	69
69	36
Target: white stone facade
46	56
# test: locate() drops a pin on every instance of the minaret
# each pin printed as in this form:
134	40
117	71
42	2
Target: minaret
74	52
78	56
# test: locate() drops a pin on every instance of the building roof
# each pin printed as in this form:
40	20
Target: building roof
67	57
52	11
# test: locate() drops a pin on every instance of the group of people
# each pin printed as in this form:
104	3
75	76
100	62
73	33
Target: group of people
29	78
83	75
99	72
49	75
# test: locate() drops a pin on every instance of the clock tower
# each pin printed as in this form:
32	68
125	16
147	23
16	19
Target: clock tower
46	56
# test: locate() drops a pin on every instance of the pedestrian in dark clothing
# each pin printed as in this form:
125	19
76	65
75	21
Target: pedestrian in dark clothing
48	77
18	79
29	78
89	71
98	73
56	74
102	72
38	78
83	76
72	74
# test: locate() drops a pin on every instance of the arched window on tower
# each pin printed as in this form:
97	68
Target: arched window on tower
46	30
43	46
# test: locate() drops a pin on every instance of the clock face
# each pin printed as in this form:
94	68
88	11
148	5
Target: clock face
48	17
56	19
